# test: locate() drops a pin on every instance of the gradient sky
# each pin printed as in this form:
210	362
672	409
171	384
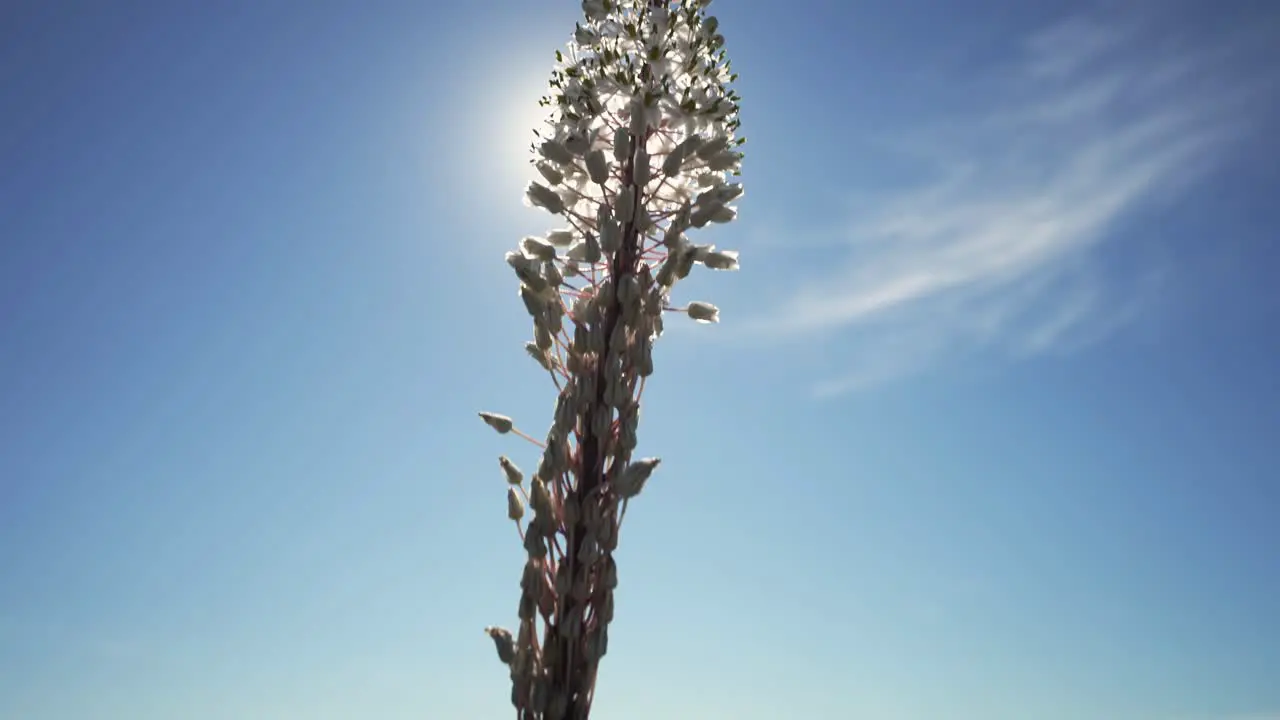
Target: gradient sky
990	429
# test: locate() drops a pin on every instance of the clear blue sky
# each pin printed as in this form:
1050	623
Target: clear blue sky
990	429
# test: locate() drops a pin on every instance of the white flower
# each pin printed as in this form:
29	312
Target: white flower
644	86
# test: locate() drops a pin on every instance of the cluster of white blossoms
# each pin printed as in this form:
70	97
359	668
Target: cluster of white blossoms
639	150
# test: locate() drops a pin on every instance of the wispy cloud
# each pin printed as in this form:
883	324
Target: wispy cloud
999	249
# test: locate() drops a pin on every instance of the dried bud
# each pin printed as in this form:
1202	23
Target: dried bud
533	302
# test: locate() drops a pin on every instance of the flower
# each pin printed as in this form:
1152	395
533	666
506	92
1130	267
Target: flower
640	150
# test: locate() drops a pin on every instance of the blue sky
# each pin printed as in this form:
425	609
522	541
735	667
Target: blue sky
988	429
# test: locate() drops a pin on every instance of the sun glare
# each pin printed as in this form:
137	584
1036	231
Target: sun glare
509	127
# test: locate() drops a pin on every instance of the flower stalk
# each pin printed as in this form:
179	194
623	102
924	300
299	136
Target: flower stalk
639	149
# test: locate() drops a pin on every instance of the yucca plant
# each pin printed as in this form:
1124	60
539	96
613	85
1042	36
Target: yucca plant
638	150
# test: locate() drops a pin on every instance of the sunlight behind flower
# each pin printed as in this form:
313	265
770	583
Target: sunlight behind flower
508	86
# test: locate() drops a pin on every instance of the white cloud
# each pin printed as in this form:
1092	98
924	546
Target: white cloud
999	249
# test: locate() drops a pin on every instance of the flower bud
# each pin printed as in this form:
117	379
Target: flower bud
570	510
584	36
639	120
549	172
632	479
538	248
560	238
542	196
621	145
533	302
528	609
566	414
703	312
724	160
640	170
689	146
724	214
606	608
671	165
514	476
537	353
534	544
515	508
501	423
712	147
563	580
573	625
721	260
539	497
502	640
625	204
578	144
527	271
597	167
597	644
551	271
588	550
542	335
556	152
531	577
609	578
610	236
684	264
702	214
